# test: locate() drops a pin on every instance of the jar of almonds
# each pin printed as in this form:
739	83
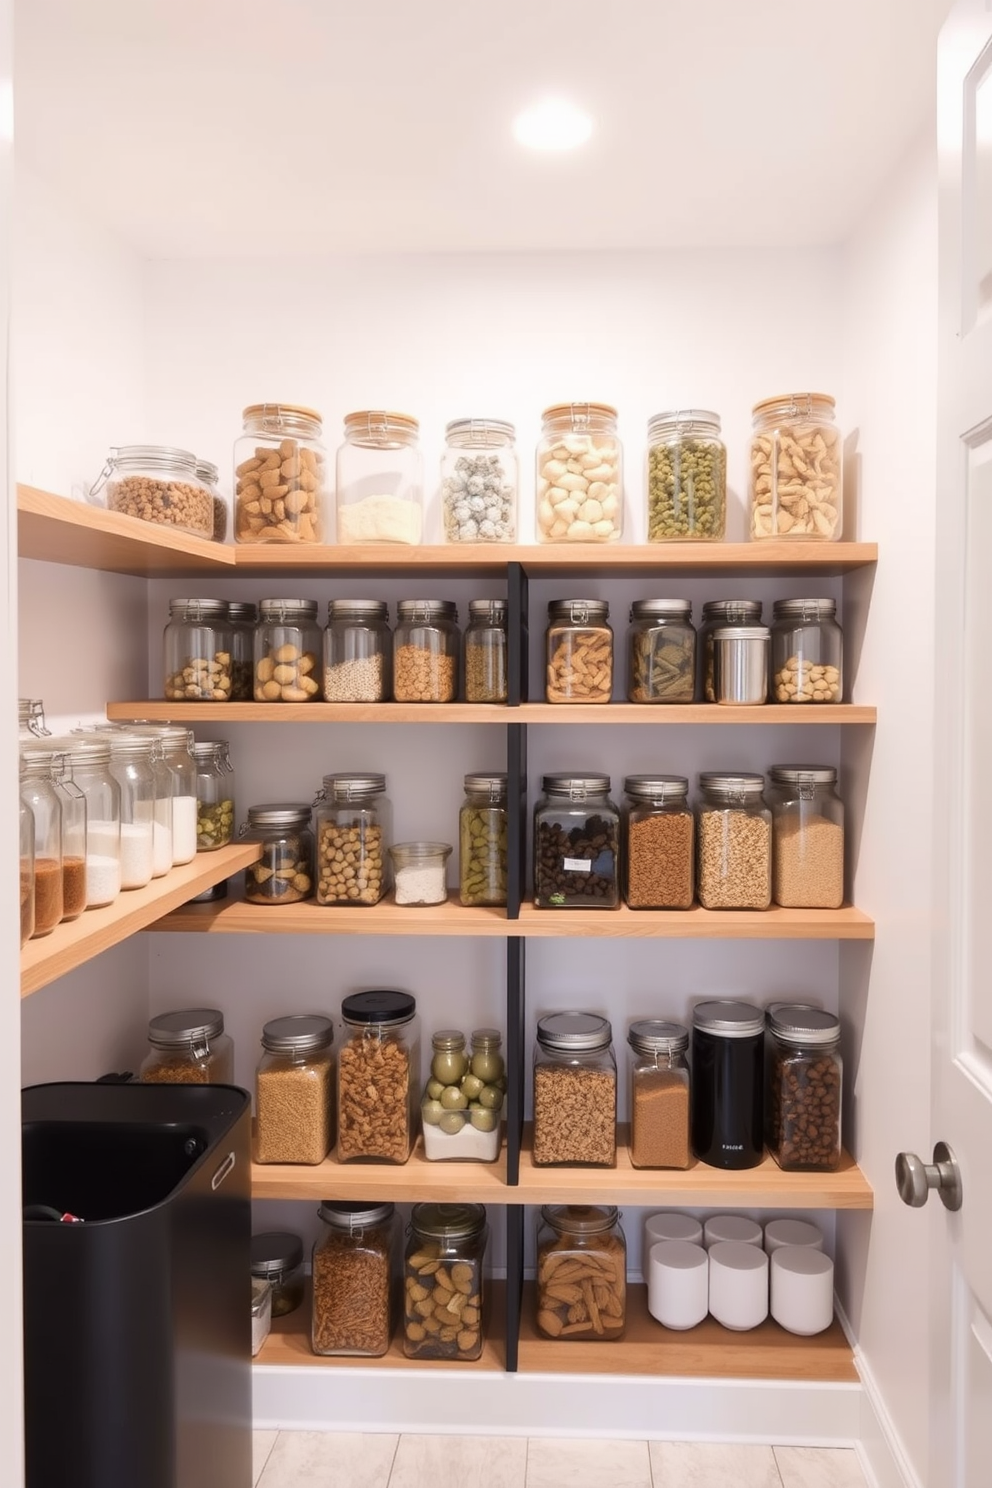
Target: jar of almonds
280	475
581	1272
796	469
443	1288
353	829
287	651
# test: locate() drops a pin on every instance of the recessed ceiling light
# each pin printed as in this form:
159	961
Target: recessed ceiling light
553	124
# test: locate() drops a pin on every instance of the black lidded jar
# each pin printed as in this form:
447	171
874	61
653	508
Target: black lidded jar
727	1070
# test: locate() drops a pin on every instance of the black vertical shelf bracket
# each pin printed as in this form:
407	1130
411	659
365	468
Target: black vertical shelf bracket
514	1282
516	1055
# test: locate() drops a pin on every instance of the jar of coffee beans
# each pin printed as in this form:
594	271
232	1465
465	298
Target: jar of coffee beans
576	840
803	1106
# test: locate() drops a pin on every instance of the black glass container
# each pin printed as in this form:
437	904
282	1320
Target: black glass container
727	1060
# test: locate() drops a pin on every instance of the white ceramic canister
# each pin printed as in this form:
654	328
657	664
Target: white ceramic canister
735	1227
678	1283
780	1232
670	1225
802	1289
738	1284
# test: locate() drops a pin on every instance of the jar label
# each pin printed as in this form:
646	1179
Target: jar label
577	865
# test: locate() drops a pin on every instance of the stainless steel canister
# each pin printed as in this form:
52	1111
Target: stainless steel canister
740	664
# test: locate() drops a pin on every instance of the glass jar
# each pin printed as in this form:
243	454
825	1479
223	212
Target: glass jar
575	1092
89	756
734	842
277	1257
197	646
463	1099
807	663
294	1091
209	476
579	474
73	803
131	767
287	652
805	1079
796	468
659	837
659	1094
807	837
31	721
358	651
425	651
242	617
579	651
717	614
686	477
726	1096
188	1048
576	843
380	479
444	1286
159	484
26	837
661	652
420	872
378	1077
353	1269
39	794
284	872
353	824
479	479
586	1244
486	651
280	474
176	743
482	840
214	796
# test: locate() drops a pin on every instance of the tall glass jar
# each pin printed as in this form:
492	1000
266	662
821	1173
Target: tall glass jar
686	477
585	1244
717	614
89	755
579	474
807	663
443	1282
214	796
482	840
26	871
378	1077
575	1092
425	651
659	837
197	645
159	484
579	651
280	475
353	825
209	475
176	743
805	1079
796	468
479	479
380	479
73	803
659	1094
287	652
131	767
188	1047
242	618
294	1090
39	793
576	844
734	836
354	1266
284	872
726	1097
358	652
661	652
807	837
486	652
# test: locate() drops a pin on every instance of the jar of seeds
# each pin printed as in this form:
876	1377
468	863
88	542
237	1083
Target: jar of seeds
353	1272
479	478
485	652
352	819
661	652
482	838
197	645
576	844
575	1092
734	837
294	1090
686	477
242	618
358	651
284	872
214	796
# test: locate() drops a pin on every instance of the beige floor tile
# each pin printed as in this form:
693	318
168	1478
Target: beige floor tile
328	1459
432	1461
262	1443
819	1467
709	1465
559	1463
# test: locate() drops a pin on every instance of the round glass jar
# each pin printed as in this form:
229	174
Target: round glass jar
425	651
242	617
284	872
159	484
188	1047
479	480
287	650
40	794
131	766
89	757
294	1091
579	474
443	1283
575	1092
352	825
378	1077
718	614
579	651
584	1243
726	1095
661	652
807	837
214	796
659	1095
197	645
659	837
209	476
277	1257
176	744
353	1265
734	842
486	652
162	825
26	872
380	479
463	1099
803	1098
358	652
576	844
420	872
807	664
482	840
796	469
280	475
686	479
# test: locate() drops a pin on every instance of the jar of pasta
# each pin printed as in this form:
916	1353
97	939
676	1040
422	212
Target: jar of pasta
796	469
579	651
581	1273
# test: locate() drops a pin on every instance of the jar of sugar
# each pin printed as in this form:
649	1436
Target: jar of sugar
419	872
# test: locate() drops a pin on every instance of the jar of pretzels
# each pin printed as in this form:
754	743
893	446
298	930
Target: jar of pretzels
581	1272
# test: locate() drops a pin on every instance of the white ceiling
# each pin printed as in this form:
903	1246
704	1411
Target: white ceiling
247	127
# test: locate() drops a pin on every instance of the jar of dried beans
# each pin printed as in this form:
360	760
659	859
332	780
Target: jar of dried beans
803	1100
277	1257
807	662
575	1092
425	651
485	651
294	1090
283	873
807	837
717	615
158	484
358	652
353	1270
579	645
659	837
443	1284
734	842
280	471
378	1077
581	1273
659	1094
661	652
352	825
197	645
796	468
287	651
576	844
188	1047
726	1095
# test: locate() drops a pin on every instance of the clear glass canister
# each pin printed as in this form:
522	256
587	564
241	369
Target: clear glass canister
280	475
380	479
805	1080
378	1077
131	767
734	842
579	650
659	1095
26	872
197	646
294	1090
463	1099
796	468
420	872
188	1047
40	795
443	1282
479	479
157	484
807	837
485	651
579	474
353	825
425	651
89	755
717	614
284	872
482	840
661	652
242	618
277	1257
659	836
208	474
726	1095
176	744
576	844
807	663
575	1092
581	1272
214	796
73	803
354	1267
686	477
358	652
287	652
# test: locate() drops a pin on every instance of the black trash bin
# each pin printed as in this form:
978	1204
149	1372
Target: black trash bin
137	1321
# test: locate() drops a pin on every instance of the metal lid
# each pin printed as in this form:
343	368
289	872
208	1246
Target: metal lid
492	785
656	787
796	1024
382	1007
677	609
282	609
187	1026
482	432
493	607
242	610
411	609
728	1019
39	761
286	814
803	775
199	609
579	610
748	609
580	1219
169	733
275	1252
574	1031
577	787
804	609
297	1033
448	1221
346	787
654	1036
207	471
353	1217
376	609
579	412
688	420
740	784
447	1040
742	633
153	456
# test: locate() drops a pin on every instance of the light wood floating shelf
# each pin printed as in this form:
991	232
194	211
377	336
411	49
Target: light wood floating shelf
97	930
234	917
710	714
541	713
58	530
411	1182
846	923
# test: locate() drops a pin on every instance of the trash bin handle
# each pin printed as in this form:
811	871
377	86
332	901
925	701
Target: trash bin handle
222	1171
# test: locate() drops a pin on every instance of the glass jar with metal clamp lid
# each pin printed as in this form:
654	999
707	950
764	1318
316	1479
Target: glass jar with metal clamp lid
575	1092
576	843
443	1267
482	840
358	652
280	472
242	617
353	818
686	477
156	483
188	1047
734	842
197	646
284	872
287	652
807	837
659	1094
486	652
479	478
661	652
579	474
214	796
354	1272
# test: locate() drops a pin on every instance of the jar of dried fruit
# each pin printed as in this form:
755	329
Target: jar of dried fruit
659	837
807	837
294	1090
803	1099
659	1094
575	1092
280	473
353	1267
378	1077
796	469
581	1273
443	1283
283	873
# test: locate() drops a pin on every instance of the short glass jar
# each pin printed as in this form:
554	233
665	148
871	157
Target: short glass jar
807	662
380	479
242	618
40	795
659	1094
358	652
463	1098
807	837
661	652
443	1267
717	614
425	651
378	1077
352	825
586	1244
214	796
479	480
796	469
686	477
803	1098
579	474
354	1265
486	652
576	844
734	842
575	1092
284	872
726	1096
482	840
294	1090
277	1257
159	484
208	474
188	1047
26	871
419	871
579	651
131	766
89	757
287	650
197	645
280	475
659	842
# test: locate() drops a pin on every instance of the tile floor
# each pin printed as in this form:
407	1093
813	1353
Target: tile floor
318	1459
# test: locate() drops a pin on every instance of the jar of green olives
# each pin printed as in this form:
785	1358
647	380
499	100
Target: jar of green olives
443	1302
482	829
214	795
463	1100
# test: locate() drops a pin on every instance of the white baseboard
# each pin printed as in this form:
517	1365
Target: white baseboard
879	1445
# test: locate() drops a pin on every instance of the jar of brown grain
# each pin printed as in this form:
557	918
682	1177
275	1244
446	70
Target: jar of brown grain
659	836
352	1280
575	1092
659	1094
805	1078
294	1090
807	837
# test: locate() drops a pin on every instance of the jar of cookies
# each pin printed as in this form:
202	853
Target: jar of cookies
443	1284
284	872
581	1273
796	469
280	473
378	1077
287	651
579	474
352	826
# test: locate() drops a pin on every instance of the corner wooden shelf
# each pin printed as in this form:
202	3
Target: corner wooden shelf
412	1182
540	713
57	530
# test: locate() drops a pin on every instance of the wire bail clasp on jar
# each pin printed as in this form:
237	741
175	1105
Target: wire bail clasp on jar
577	790
62	770
578	612
580	417
806	787
93	490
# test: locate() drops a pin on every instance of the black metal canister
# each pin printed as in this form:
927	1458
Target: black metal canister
727	1057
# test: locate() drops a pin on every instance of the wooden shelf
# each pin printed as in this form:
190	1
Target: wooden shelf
58	530
97	930
707	1352
710	714
234	917
416	1181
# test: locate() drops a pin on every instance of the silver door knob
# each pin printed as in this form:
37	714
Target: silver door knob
915	1178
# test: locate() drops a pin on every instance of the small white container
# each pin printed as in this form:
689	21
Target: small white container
738	1284
678	1283
780	1232
668	1225
735	1227
802	1289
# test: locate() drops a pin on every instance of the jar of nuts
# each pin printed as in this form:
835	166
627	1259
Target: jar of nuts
686	477
579	651
661	652
479	476
157	483
208	473
294	1090
807	837
242	618
485	651
380	479
482	840
803	1099
287	652
425	651
188	1047
796	468
378	1077
579	474
576	844
280	472
443	1284
575	1092
734	842
717	614
214	796
358	652
581	1272
197	644
352	826
353	1270
284	872
659	833
807	664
